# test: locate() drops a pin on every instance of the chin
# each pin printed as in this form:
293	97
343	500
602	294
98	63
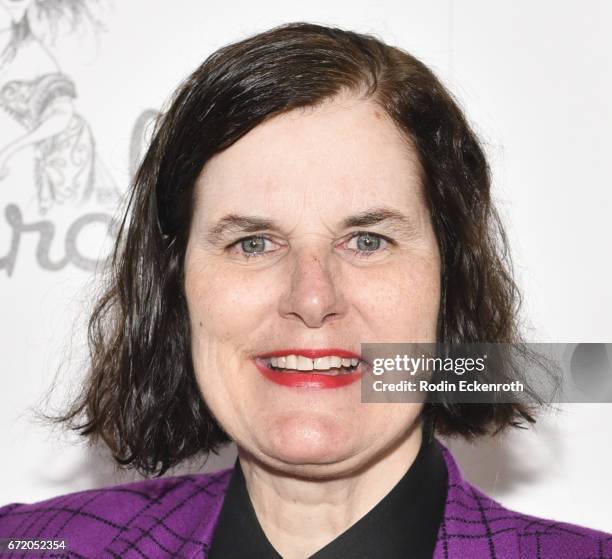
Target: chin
310	444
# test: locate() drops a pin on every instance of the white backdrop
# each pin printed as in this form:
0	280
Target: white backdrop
534	78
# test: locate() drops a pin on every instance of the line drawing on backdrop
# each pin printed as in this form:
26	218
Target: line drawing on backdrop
46	146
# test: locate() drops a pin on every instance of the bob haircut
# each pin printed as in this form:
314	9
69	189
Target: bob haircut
141	395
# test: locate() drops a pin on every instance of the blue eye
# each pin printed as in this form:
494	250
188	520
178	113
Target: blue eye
253	246
369	243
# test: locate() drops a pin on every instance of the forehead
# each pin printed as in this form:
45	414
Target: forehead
346	153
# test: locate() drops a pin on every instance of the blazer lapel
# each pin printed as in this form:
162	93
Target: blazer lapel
176	519
474	526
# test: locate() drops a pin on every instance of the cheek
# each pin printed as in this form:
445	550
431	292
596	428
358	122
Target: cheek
402	301
222	312
227	308
223	305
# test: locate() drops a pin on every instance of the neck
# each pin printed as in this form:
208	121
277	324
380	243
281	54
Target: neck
300	516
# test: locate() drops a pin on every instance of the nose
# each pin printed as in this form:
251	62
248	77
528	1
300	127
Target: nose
314	293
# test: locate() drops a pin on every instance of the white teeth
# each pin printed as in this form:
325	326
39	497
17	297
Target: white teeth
322	363
301	363
304	364
335	362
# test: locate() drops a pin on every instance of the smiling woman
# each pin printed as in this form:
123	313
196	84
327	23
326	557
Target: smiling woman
308	190
323	181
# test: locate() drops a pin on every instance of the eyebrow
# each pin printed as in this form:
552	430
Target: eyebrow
235	223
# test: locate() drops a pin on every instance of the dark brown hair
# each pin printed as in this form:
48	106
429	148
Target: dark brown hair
141	396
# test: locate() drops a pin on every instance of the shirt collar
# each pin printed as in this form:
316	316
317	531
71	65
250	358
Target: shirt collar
404	523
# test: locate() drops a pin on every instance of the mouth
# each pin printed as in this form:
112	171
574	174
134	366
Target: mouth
312	368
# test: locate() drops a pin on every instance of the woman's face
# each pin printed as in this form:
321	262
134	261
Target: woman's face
306	280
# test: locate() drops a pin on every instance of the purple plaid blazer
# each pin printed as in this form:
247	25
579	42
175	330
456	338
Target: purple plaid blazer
176	517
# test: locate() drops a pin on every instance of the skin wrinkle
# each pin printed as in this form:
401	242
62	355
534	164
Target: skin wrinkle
311	450
234	225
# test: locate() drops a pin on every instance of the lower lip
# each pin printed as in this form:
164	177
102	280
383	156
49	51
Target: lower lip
308	379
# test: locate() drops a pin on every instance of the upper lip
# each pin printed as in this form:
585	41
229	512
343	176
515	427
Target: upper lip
312	353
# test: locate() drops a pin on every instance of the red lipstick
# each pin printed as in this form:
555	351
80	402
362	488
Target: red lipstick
309	379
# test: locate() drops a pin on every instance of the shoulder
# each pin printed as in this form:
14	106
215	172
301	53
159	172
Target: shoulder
478	526
176	514
546	538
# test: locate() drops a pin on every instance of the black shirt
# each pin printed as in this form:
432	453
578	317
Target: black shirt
404	524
